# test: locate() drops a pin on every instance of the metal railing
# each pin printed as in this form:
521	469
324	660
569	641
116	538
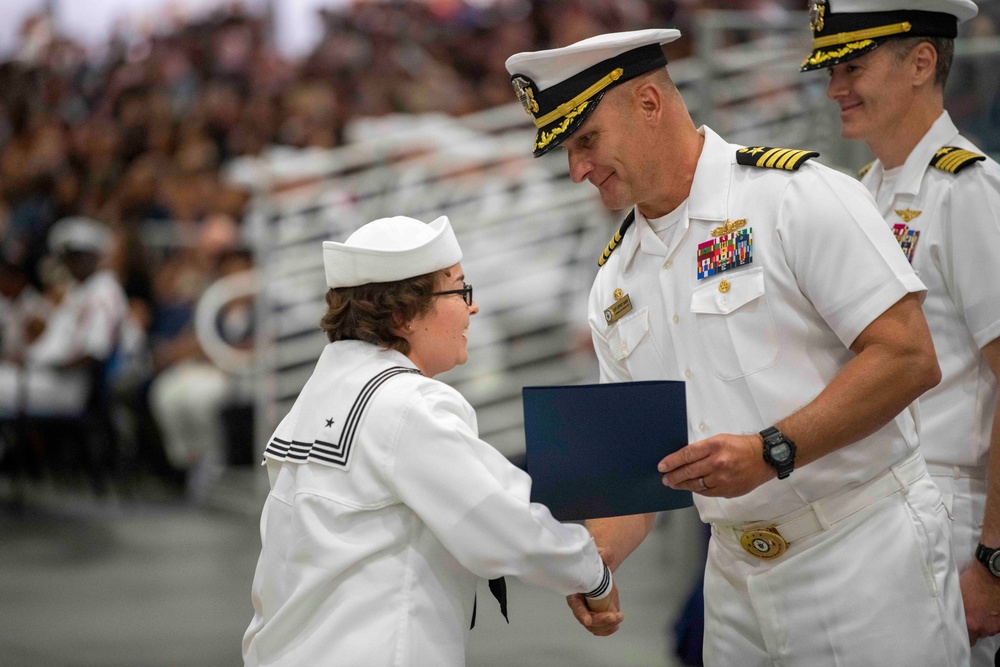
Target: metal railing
530	236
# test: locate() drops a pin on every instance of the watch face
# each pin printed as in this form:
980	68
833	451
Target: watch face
781	452
994	564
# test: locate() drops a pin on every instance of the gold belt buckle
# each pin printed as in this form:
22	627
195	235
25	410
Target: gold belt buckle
764	543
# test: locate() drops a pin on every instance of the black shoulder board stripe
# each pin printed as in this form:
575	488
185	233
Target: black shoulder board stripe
773	158
865	169
954	159
619	235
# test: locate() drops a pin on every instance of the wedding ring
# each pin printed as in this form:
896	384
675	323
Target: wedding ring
701	482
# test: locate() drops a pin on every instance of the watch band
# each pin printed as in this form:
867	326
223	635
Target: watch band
989	557
774	442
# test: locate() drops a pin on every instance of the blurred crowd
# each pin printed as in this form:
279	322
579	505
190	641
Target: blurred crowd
115	218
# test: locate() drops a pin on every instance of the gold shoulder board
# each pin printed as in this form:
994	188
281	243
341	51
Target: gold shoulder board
954	159
773	158
619	235
865	169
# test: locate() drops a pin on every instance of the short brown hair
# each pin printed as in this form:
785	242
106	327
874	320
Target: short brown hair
945	47
370	312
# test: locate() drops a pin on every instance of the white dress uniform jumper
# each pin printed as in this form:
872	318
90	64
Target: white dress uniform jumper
385	510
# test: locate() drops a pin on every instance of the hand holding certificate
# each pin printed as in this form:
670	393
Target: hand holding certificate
593	450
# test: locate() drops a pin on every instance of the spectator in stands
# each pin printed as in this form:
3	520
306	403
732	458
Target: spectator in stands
385	506
59	379
189	392
80	336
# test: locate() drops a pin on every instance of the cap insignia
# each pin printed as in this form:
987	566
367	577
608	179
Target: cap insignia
953	159
526	94
817	12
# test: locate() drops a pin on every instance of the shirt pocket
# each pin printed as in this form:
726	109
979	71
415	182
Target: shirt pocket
736	324
630	343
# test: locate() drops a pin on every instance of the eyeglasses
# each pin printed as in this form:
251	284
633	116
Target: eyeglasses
466	293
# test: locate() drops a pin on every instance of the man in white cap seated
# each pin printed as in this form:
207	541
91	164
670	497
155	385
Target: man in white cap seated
771	285
385	506
888	62
82	332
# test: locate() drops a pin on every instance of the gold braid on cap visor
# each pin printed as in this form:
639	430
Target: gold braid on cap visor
823	56
545	138
858	35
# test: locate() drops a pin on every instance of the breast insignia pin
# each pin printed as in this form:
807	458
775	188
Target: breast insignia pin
619	308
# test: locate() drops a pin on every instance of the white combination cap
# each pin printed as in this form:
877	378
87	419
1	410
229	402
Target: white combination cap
845	29
561	87
79	234
390	249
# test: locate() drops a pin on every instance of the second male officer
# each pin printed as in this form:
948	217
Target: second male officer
771	285
888	62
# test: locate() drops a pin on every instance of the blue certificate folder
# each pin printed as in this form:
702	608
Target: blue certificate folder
592	449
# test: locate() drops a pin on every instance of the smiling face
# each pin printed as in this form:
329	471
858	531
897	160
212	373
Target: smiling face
438	339
606	150
873	92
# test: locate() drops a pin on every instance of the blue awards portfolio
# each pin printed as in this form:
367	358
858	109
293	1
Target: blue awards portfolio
592	450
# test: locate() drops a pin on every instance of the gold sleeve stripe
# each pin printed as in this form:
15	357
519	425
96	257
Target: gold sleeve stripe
858	35
629	219
768	158
790	160
954	160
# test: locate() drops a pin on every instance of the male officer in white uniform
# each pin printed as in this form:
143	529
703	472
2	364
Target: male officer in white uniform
941	198
771	285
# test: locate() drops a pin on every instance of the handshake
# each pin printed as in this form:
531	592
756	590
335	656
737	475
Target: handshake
601	617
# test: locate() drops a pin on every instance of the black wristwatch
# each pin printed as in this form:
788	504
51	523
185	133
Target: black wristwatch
779	451
990	558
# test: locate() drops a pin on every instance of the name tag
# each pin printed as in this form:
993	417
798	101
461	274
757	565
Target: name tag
618	309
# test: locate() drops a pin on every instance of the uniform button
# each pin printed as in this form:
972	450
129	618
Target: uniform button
676	319
688	374
702	427
724	286
669	265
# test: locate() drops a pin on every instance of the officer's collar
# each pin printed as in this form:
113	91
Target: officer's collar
710	189
711	178
942	133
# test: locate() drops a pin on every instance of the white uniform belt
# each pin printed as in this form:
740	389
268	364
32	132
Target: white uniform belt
956	472
823	513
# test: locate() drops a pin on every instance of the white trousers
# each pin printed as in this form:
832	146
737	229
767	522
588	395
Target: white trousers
877	588
187	401
965	498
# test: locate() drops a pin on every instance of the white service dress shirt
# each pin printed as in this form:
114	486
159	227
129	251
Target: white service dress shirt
949	225
758	341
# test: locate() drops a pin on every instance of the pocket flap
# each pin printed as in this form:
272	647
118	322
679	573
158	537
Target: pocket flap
744	287
627	333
